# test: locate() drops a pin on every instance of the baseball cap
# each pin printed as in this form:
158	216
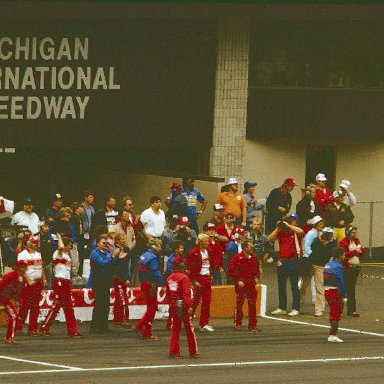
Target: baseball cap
28	201
57	197
321	177
328	230
232	180
176	187
345	184
210	226
240	231
183	220
218	207
294	216
315	220
178	260
248	184
290	181
228	213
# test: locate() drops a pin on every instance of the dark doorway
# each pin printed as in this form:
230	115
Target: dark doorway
321	159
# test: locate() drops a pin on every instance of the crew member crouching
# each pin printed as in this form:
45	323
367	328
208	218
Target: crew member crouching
11	285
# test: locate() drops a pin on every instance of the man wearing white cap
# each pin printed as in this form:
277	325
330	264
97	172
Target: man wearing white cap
317	224
323	194
348	197
234	201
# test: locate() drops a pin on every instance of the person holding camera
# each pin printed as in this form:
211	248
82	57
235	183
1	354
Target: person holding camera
289	236
335	291
279	203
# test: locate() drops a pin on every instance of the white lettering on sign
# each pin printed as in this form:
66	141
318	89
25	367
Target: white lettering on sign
58	81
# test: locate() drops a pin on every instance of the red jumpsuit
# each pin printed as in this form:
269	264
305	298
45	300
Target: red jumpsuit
179	288
246	269
62	289
196	272
10	288
121	305
31	294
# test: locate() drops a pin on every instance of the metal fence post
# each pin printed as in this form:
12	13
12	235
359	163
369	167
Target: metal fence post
370	228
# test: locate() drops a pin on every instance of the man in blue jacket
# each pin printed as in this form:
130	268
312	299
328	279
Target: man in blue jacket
102	271
335	291
150	278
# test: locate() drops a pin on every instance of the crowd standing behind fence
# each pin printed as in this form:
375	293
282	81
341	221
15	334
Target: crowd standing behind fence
243	215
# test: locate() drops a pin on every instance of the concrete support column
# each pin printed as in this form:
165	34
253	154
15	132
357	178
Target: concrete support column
231	96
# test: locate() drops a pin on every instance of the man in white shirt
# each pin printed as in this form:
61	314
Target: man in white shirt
27	217
153	218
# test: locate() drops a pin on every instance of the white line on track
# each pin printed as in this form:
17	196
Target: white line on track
322	326
37	362
234	364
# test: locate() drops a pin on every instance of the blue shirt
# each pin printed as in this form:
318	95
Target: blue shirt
148	268
100	266
308	240
334	276
192	197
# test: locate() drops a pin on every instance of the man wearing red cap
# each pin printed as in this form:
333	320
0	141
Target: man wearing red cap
177	203
31	294
232	248
200	272
179	293
10	288
279	203
244	270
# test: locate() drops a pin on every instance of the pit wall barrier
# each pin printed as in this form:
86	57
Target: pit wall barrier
223	303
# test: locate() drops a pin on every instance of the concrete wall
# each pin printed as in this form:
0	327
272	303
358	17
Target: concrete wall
270	162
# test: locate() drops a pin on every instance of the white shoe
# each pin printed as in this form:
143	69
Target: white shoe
319	314
270	260
334	339
207	328
294	312
279	311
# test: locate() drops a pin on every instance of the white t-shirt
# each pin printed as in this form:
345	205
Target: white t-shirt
63	265
205	265
154	224
35	264
31	221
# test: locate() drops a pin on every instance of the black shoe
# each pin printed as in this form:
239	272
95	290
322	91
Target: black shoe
96	330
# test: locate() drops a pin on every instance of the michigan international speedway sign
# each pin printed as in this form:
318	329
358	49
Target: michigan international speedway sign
65	72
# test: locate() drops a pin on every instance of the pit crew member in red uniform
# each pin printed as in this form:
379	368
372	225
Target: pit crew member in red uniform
244	270
179	292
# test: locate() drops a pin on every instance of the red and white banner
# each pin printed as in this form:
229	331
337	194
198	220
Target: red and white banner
84	300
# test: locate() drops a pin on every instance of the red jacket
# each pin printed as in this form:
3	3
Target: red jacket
323	198
195	262
349	253
243	268
11	285
215	250
223	232
179	288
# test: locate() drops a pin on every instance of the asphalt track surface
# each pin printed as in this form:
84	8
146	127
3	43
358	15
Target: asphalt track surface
285	351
